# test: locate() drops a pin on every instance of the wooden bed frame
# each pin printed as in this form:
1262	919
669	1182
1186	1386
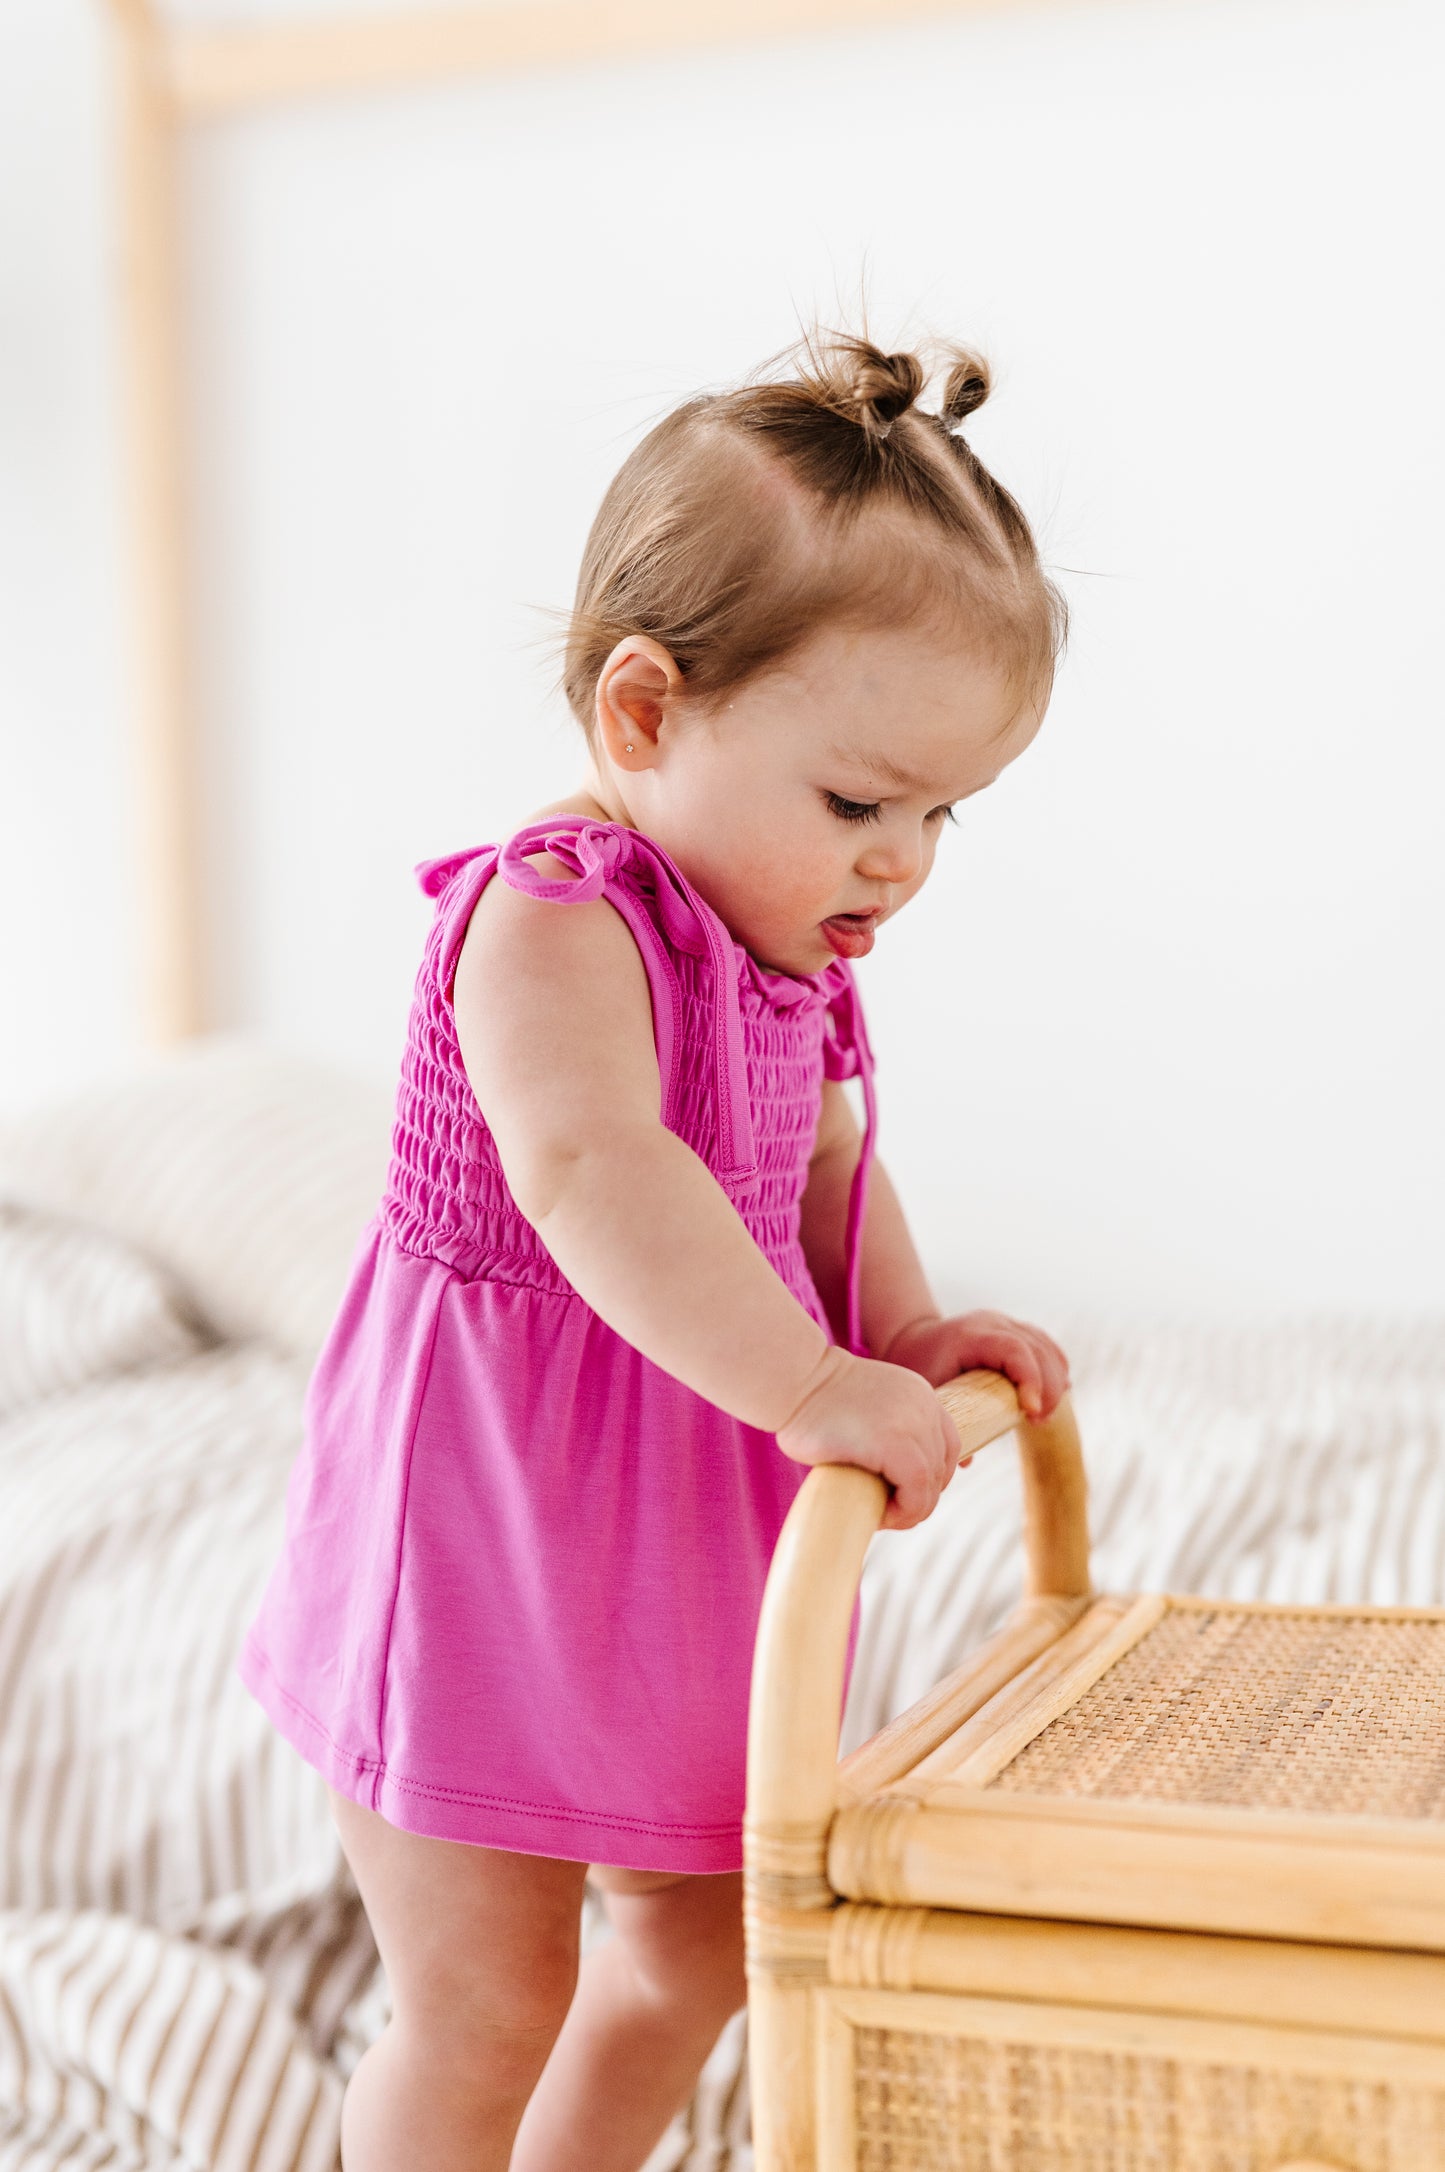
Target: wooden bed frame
175	77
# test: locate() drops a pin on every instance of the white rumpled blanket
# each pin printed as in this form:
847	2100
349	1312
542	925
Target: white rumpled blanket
186	1975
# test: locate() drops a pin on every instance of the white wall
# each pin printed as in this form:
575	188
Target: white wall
1166	1029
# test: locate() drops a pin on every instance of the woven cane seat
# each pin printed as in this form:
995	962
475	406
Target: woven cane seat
1330	1714
1294	1756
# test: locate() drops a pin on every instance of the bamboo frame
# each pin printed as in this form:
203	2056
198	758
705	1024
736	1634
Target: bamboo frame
1342	1881
793	1778
873	1946
172	76
1216	2043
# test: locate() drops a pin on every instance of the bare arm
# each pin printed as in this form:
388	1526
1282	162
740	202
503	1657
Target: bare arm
897	1315
892	1287
554	1021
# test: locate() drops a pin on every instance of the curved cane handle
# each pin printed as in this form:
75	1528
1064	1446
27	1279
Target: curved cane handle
983	1405
795	1708
798	1658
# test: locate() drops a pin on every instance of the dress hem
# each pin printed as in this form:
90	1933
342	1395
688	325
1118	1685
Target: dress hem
522	1828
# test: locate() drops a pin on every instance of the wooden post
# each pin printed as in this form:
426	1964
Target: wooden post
164	770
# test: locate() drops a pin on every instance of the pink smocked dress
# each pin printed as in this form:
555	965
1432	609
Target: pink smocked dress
518	1590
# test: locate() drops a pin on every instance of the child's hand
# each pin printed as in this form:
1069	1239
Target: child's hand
884	1419
940	1349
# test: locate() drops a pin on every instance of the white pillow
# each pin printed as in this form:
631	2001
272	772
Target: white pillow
243	1169
78	1305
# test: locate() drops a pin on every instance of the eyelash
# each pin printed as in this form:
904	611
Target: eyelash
852	810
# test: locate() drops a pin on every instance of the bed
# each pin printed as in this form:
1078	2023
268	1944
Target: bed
186	1975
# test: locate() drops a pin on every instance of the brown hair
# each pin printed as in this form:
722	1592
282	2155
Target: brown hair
747	519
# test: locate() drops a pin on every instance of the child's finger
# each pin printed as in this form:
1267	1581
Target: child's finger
1055	1375
996	1347
913	1496
1051	1372
1059	1356
1027	1375
1048	1349
950	1447
1018	1351
1006	1349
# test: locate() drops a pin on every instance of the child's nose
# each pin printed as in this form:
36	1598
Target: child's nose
896	857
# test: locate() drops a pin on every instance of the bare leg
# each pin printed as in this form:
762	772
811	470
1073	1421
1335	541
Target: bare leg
439	2105
480	1948
648	2008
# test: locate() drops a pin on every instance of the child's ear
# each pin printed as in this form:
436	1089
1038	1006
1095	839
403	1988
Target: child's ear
632	691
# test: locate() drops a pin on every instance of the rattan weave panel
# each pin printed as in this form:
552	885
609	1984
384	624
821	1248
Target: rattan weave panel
1327	1713
928	2103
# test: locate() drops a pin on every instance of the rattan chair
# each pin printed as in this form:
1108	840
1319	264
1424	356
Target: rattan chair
1151	1884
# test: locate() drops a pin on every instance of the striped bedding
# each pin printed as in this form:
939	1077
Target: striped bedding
186	1975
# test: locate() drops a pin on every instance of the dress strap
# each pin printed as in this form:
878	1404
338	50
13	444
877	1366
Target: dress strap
848	1053
434	875
456	880
598	852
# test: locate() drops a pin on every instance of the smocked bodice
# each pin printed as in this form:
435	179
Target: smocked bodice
742	1052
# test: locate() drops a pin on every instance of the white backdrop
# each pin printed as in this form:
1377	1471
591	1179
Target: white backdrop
1166	1029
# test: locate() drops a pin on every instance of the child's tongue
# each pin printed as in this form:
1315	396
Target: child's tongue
850	935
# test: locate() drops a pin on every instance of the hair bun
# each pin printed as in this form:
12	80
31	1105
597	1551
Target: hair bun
884	387
872	389
967	386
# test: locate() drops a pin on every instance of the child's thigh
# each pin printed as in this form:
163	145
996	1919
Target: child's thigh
470	1937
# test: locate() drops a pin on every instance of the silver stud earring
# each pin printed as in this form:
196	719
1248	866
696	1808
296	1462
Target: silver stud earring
628	748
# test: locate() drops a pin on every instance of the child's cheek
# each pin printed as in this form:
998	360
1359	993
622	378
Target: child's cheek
774	907
797	895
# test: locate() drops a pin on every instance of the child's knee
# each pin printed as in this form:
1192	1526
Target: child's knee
488	2021
480	1946
685	1942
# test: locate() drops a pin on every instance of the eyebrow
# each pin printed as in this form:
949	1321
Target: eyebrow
881	765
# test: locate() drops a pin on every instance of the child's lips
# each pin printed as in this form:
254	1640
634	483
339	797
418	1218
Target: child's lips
850	935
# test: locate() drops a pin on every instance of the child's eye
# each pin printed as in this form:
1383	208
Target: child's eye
852	810
946	812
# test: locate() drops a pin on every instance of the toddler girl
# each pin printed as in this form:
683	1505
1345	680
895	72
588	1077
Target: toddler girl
630	1275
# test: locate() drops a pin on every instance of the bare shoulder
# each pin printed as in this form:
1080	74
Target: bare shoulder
553	1008
544	863
512	935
